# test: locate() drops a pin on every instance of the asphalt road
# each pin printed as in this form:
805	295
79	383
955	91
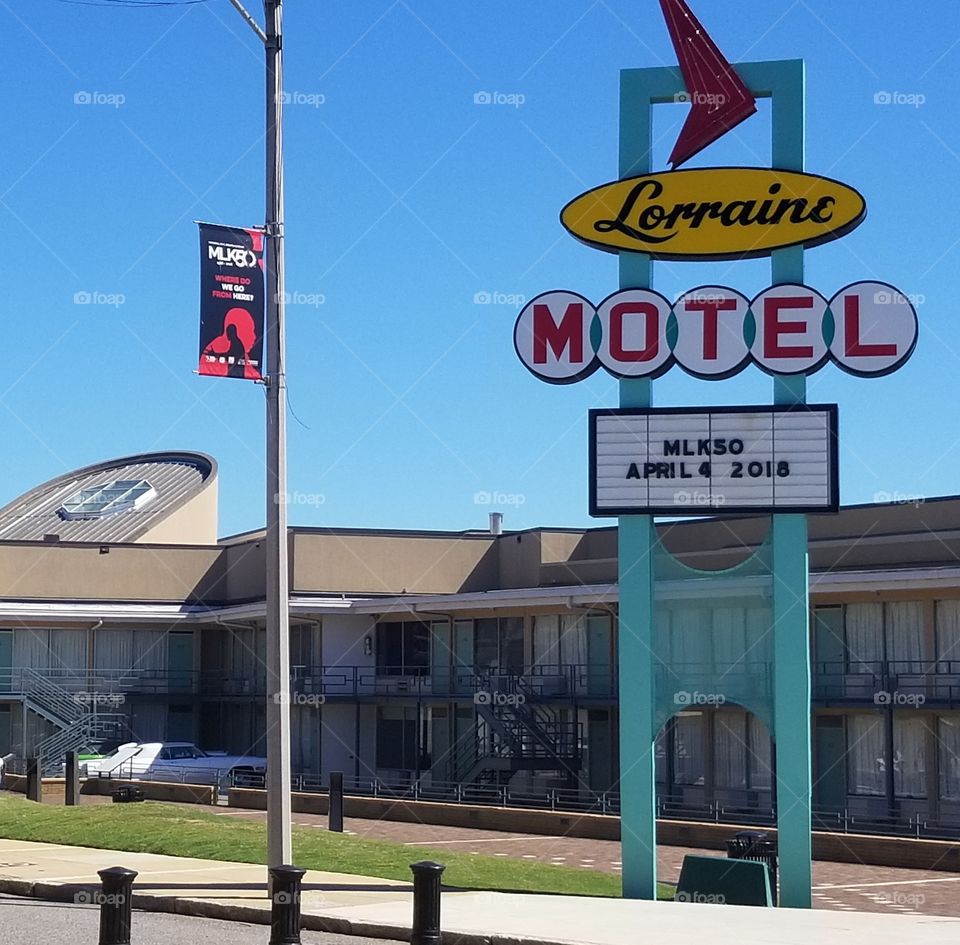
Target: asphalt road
34	922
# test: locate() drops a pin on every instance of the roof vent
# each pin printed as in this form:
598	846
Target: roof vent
496	523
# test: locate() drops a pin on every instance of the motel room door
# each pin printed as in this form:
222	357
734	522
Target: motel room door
6	660
180	660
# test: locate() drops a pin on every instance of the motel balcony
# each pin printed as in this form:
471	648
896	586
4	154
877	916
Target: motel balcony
881	683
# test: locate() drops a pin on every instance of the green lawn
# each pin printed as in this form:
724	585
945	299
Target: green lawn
152	827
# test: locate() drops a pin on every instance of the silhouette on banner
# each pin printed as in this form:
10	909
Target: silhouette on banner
231	302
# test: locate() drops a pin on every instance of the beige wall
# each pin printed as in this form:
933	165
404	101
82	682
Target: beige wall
393	564
194	523
38	571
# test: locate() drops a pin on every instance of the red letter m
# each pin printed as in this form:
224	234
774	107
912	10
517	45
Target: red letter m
568	334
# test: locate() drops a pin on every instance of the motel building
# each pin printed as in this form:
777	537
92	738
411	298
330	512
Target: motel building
473	664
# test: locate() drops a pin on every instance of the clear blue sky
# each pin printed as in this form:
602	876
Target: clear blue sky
405	200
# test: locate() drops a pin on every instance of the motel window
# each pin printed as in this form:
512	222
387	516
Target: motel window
883	632
396	737
498	645
866	760
403	649
688	763
948	749
948	635
741	745
909	756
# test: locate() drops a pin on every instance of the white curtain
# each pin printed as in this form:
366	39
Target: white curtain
64	651
904	626
730	749
729	639
546	641
135	651
688	749
948	749
573	640
865	755
864	630
948	630
690	640
909	754
761	774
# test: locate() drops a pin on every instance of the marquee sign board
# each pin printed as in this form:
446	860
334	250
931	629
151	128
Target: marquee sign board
689	461
714	213
713	332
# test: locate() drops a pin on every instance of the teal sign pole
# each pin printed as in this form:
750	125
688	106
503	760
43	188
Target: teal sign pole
640	89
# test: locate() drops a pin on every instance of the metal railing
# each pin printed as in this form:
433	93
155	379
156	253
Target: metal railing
888	682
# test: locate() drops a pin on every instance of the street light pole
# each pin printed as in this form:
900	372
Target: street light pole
279	842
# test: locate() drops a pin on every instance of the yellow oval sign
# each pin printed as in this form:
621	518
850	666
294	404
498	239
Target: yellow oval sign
714	213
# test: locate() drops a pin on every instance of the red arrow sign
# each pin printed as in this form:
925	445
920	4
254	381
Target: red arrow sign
719	97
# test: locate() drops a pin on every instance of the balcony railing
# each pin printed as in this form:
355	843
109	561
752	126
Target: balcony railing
881	683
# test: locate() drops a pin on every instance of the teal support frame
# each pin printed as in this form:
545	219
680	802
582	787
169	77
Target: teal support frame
784	83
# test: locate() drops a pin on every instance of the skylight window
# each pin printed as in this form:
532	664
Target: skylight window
121	495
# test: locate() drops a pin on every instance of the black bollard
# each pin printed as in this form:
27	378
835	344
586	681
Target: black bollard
335	811
71	791
285	904
116	904
34	786
426	903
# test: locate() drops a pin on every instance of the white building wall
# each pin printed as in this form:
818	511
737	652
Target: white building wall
343	638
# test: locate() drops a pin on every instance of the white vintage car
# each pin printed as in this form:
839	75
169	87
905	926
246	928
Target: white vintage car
174	761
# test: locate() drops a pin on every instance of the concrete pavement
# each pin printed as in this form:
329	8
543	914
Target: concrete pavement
361	905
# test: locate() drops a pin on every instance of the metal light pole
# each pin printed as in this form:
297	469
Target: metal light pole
279	846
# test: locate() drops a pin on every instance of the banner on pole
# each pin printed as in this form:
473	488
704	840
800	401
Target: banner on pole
231	302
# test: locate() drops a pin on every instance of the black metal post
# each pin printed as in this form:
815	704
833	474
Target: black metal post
426	903
285	904
116	903
71	791
34	786
335	811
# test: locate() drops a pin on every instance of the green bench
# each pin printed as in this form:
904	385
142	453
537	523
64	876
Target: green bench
713	879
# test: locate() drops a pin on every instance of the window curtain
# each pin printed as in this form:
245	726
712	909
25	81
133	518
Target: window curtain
688	749
948	632
865	756
546	641
904	626
948	750
730	749
573	640
909	755
761	769
63	651
690	645
135	651
729	639
863	624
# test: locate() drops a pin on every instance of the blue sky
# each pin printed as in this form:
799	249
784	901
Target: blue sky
408	204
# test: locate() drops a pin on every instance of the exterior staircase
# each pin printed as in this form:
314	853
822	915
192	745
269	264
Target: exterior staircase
516	733
79	720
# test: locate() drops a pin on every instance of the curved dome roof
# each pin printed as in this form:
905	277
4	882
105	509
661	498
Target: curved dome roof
119	500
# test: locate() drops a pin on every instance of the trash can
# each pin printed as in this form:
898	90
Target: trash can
127	793
759	846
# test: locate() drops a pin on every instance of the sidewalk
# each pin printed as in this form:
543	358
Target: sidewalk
362	905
